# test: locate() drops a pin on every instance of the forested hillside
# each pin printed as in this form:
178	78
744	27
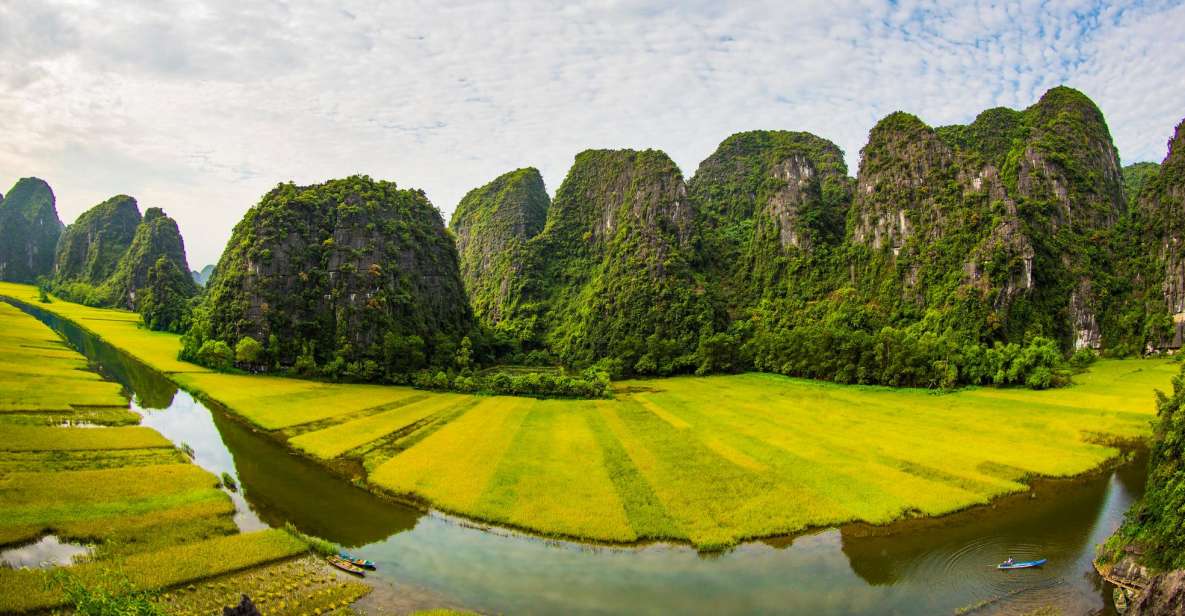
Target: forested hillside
29	231
982	253
352	278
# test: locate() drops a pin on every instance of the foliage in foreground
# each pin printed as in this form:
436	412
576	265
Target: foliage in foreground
1157	521
107	593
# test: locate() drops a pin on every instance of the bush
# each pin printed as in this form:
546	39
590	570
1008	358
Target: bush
215	354
248	350
112	594
1082	359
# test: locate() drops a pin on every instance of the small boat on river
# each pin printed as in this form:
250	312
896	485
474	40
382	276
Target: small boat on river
345	565
357	562
1028	564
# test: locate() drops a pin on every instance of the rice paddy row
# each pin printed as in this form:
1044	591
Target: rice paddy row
707	460
144	509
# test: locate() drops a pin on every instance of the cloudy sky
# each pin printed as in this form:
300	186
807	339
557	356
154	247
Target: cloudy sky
200	106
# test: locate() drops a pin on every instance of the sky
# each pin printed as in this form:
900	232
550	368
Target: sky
201	106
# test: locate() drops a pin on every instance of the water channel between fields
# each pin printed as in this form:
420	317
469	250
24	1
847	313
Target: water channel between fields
426	560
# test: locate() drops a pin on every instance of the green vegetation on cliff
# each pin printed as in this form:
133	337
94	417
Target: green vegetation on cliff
965	254
29	231
353	278
111	256
771	208
1135	177
157	237
492	226
609	279
91	247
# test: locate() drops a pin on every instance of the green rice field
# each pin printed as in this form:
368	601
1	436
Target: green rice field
707	460
143	509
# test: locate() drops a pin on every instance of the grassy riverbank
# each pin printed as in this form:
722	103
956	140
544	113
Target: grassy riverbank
710	460
141	506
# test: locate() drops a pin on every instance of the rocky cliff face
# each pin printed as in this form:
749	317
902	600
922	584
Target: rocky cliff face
1016	209
29	231
768	200
609	275
156	237
1162	208
493	225
329	270
91	247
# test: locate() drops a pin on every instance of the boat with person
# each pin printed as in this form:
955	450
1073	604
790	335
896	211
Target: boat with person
1028	564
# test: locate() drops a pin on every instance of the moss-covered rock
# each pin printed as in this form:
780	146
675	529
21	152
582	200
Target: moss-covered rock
771	206
336	278
29	231
493	225
157	237
1158	236
1135	177
91	247
609	276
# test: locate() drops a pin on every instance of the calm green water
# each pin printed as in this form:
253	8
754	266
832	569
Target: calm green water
933	567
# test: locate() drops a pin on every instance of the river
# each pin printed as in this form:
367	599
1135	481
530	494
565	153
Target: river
428	560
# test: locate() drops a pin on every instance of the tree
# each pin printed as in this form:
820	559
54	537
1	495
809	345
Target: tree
248	350
464	355
216	354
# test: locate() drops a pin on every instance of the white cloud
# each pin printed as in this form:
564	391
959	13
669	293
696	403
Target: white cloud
200	107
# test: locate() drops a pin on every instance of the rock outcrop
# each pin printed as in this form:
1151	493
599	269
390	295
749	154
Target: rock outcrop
156	237
1161	206
29	231
90	248
326	272
609	274
1163	596
492	225
767	200
1015	210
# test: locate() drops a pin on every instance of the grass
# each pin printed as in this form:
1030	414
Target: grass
120	328
87	459
153	518
332	442
293	587
41	438
27	590
708	460
277	402
39	373
767	455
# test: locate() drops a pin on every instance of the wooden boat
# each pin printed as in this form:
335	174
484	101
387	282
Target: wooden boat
357	562
1028	564
345	565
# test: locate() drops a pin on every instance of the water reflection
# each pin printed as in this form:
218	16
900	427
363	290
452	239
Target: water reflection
151	389
49	551
922	567
282	487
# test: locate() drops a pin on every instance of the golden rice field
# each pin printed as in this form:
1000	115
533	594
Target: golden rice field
126	491
39	373
707	460
120	328
276	402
